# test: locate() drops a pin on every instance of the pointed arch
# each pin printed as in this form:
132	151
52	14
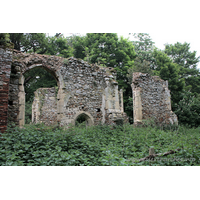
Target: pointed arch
88	118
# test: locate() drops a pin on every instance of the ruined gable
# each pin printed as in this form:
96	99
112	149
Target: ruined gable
151	99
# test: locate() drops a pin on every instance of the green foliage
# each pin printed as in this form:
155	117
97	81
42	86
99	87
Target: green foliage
5	40
97	146
180	54
37	78
108	50
35	42
59	46
139	66
193	84
30	42
128	109
78	44
188	110
144	47
17	39
28	112
41	44
187	61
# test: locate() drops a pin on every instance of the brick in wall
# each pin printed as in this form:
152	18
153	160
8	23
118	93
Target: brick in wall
5	69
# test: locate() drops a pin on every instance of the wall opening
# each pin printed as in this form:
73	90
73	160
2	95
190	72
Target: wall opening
34	79
83	119
128	106
98	110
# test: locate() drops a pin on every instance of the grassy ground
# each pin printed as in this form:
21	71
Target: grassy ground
38	145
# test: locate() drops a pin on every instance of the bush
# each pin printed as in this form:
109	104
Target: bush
188	110
5	40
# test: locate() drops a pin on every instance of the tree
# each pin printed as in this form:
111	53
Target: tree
108	50
78	45
17	39
5	40
139	66
181	55
30	42
37	78
58	45
144	47
188	110
35	42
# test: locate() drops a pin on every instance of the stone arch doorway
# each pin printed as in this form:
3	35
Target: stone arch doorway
22	63
83	116
22	95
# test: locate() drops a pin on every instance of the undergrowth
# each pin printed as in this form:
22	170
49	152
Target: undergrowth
37	145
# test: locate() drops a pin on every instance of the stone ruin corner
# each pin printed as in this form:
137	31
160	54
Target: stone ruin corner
151	100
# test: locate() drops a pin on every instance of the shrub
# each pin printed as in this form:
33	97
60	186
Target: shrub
188	110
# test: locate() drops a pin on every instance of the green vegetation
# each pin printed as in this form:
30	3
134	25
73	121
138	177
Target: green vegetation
5	40
37	145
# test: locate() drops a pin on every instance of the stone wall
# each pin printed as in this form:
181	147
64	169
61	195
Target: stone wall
92	89
151	99
22	63
5	70
89	90
44	107
83	89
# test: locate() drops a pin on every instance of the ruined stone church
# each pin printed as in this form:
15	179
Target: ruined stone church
84	90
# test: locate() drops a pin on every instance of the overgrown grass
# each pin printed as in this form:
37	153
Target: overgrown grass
101	145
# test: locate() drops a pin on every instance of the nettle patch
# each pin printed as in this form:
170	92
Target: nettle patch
102	145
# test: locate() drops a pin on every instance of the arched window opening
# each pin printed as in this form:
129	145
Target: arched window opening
82	120
34	79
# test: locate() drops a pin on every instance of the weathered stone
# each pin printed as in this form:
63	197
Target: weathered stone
5	69
81	88
44	107
151	100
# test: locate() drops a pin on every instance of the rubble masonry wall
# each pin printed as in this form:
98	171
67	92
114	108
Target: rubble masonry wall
5	70
151	99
